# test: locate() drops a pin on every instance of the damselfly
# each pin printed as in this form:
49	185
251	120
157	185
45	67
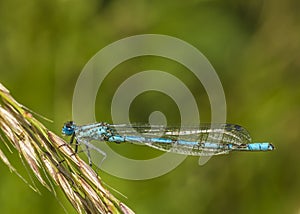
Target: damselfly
203	140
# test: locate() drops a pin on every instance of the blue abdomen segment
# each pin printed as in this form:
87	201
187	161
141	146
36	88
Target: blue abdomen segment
140	139
260	147
121	139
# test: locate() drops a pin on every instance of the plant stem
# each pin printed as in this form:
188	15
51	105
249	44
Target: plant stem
52	160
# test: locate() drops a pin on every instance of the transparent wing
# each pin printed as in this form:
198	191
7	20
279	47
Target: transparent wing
213	133
203	140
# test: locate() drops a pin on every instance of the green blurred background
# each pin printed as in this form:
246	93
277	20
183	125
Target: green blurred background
253	46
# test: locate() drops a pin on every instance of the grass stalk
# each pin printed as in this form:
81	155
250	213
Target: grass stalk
52	160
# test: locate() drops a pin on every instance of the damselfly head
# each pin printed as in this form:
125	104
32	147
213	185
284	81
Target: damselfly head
68	128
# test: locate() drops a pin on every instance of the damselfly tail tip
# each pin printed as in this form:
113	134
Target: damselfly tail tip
266	146
262	146
271	147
